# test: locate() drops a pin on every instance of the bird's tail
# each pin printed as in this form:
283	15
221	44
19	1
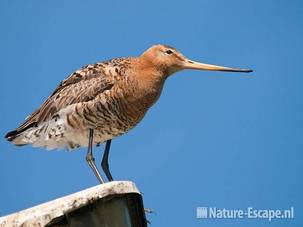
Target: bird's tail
17	136
49	134
14	137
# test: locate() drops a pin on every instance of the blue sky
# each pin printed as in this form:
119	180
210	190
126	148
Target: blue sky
213	139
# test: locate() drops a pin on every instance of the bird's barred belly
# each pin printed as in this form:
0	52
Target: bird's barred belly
109	118
104	129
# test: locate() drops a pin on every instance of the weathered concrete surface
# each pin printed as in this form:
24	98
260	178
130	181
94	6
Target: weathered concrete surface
42	214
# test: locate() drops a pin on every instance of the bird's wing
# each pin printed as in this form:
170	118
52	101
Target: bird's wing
81	86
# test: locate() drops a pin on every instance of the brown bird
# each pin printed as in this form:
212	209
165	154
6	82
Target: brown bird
102	101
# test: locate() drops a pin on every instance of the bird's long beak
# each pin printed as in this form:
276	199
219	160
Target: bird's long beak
189	64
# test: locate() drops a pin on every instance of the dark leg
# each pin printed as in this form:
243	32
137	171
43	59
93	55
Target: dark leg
90	158
104	162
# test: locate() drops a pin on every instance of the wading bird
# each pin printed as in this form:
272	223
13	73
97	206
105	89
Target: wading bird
102	101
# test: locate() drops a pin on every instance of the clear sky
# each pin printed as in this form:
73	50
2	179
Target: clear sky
213	139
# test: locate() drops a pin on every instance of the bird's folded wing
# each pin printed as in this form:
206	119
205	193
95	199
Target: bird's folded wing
81	86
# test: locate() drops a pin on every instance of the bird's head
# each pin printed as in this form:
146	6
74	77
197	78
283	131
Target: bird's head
169	60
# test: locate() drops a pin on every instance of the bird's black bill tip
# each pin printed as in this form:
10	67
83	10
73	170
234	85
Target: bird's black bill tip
248	70
238	70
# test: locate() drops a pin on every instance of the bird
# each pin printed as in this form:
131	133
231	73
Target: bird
102	101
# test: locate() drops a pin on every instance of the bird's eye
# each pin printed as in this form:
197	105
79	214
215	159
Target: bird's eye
169	52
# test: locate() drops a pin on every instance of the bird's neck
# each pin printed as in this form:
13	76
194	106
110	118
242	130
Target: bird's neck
150	75
149	82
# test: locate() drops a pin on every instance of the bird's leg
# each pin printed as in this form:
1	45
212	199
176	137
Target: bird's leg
104	162
90	158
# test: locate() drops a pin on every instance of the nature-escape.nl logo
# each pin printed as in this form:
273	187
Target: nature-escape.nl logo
250	213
